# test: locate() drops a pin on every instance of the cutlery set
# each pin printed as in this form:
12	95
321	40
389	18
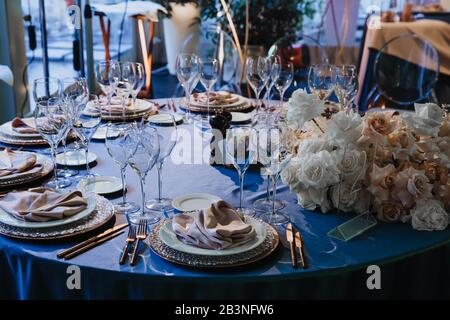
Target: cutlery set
296	242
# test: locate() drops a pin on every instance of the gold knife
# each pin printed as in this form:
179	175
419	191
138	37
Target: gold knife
62	254
92	245
299	245
291	240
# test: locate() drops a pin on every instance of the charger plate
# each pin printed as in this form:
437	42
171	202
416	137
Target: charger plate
103	213
18	179
263	250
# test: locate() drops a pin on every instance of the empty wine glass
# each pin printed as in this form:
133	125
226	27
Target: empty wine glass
209	71
102	76
321	80
88	120
241	146
187	67
168	136
52	123
284	80
118	141
146	147
139	74
275	71
253	76
122	77
346	84
264	70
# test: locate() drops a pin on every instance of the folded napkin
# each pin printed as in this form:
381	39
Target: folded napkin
217	227
24	126
17	162
116	106
42	204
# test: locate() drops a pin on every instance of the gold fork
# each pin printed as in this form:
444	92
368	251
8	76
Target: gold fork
130	239
141	235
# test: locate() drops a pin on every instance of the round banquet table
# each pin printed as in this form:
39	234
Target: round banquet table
413	264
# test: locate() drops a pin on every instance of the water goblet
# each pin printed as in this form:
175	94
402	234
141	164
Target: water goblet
284	80
321	80
209	71
187	67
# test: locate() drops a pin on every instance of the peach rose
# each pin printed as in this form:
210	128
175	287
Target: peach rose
390	211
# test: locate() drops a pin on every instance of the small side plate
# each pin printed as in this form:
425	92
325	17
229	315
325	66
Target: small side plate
240	117
163	119
194	201
75	158
102	185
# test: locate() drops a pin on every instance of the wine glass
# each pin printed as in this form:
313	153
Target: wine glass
320	80
275	71
272	156
264	65
254	76
87	122
145	142
52	123
118	139
187	67
209	71
102	76
122	78
241	150
346	84
262	122
139	74
284	80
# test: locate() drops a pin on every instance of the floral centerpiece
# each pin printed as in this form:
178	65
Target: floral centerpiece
395	164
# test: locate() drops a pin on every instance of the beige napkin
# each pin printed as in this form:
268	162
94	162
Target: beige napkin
17	162
218	227
24	126
116	106
42	204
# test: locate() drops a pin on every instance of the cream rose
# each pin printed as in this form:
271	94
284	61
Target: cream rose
344	127
350	198
410	186
303	107
377	126
318	170
353	163
390	211
429	216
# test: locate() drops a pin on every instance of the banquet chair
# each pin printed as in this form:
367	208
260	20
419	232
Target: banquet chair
213	42
302	51
406	70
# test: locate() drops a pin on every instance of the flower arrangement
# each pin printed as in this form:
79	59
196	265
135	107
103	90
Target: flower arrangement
394	164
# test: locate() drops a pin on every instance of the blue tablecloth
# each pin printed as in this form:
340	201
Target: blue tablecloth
337	269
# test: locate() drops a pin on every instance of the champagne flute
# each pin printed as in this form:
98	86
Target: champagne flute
187	67
320	80
346	84
145	145
275	71
139	74
284	80
209	71
241	146
253	76
118	141
168	136
102	76
52	123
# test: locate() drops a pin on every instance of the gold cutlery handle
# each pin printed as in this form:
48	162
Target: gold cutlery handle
293	255
123	257
91	245
135	250
302	257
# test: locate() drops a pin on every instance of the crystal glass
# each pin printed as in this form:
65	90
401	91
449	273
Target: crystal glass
346	84
275	71
187	67
145	143
264	69
208	71
86	124
139	74
123	79
256	79
168	136
241	151
284	80
262	122
102	76
321	80
52	123
118	139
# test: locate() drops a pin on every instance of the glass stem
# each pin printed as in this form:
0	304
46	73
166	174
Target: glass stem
268	188
241	190
188	101
123	107
109	97
122	173
55	170
274	192
142	178
64	143
159	169
281	99
86	151
207	103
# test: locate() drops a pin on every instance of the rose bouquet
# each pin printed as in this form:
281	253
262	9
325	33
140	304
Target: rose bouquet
394	164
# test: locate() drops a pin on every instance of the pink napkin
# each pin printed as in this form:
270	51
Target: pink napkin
42	204
24	126
217	227
16	162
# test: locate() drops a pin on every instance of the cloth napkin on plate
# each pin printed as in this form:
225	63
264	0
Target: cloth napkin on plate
217	227
42	204
16	162
24	126
116	106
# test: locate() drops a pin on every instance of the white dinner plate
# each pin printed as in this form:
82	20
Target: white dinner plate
141	106
75	158
168	236
8	219
241	100
164	119
240	117
194	201
100	133
7	130
100	185
44	161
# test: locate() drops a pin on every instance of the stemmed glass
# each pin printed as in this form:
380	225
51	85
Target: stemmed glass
187	66
88	120
209	71
52	123
253	66
145	143
241	146
102	76
139	74
284	79
264	70
346	84
275	71
122	77
321	80
272	156
118	141
168	136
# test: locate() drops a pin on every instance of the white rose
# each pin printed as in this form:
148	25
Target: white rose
289	173
350	198
303	107
312	199
318	170
426	121
344	126
352	163
429	215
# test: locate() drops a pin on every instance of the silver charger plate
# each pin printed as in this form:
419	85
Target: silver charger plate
104	212
23	178
262	251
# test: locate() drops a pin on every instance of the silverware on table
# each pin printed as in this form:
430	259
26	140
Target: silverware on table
92	245
91	240
291	239
301	249
141	235
130	240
